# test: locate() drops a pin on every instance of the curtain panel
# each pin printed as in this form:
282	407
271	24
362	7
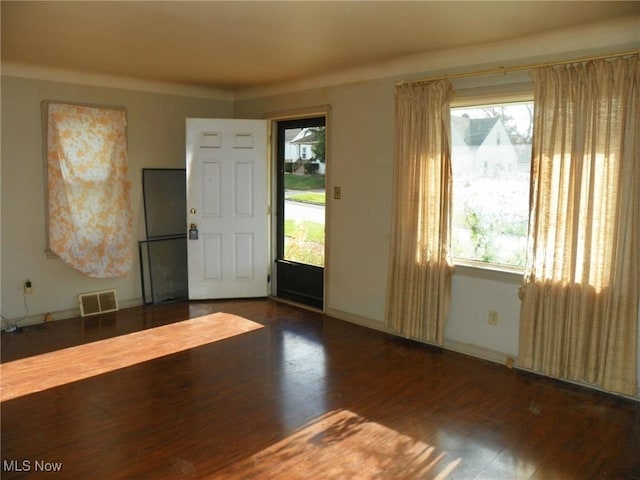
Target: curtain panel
89	212
579	313
420	269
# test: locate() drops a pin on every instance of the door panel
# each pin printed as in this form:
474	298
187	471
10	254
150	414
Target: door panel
243	189
227	203
212	253
301	283
211	204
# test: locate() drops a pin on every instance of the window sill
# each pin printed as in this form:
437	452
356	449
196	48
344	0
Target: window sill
487	271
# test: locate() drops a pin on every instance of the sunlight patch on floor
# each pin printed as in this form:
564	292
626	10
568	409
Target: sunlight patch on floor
53	369
342	444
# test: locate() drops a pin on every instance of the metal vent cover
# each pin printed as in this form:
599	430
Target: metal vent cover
98	302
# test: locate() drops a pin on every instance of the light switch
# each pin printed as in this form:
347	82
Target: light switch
337	193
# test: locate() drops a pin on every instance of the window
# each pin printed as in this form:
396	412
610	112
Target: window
491	159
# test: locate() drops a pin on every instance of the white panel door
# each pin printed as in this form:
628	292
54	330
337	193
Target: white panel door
227	202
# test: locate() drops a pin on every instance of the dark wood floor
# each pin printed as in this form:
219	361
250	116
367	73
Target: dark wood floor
267	390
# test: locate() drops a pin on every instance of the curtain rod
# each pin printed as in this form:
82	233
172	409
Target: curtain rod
518	68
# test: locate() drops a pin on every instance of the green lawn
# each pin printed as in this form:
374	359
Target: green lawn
306	231
315	198
304	242
303	182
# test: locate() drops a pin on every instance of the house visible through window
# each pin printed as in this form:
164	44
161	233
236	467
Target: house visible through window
491	159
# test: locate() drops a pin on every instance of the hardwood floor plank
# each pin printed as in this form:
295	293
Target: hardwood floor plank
294	395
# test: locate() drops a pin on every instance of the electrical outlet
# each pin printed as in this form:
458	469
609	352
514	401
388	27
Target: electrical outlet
28	287
493	317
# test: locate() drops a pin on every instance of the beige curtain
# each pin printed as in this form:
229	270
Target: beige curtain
90	220
419	282
580	296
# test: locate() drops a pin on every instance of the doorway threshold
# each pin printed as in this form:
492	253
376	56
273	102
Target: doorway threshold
296	304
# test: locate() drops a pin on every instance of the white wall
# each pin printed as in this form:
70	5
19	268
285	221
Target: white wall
360	143
156	139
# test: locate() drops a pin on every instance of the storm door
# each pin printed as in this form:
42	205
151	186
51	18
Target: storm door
300	216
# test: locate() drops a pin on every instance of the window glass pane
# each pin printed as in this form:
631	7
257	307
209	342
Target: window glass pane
304	195
491	158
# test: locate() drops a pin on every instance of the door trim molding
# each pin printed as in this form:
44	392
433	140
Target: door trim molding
297	113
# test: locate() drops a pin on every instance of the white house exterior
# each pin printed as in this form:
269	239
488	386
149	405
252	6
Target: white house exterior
299	146
481	147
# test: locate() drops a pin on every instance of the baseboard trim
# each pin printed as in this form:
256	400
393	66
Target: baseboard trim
453	345
478	352
358	320
39	318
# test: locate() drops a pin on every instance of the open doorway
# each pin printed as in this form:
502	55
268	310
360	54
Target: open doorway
301	166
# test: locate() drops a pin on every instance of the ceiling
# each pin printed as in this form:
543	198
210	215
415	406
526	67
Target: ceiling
236	45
